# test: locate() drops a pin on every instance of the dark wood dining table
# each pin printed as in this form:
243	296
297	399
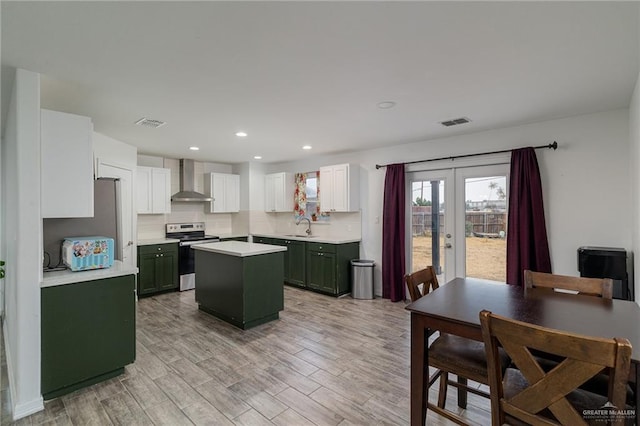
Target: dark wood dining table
454	308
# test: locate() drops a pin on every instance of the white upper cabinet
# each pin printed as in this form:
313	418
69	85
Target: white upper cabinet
153	190
225	190
279	191
339	188
66	162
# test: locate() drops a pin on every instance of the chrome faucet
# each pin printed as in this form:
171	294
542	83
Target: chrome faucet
300	219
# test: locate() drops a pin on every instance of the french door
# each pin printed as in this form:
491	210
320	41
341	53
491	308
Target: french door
457	221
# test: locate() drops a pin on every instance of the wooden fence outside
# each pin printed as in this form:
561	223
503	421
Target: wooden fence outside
487	223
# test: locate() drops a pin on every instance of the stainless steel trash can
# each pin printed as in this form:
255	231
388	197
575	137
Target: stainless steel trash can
362	278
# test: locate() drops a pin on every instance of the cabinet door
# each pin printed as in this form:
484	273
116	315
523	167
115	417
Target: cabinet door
147	273
232	193
326	189
278	192
283	243
160	190
295	268
225	191
270	193
143	190
167	270
66	164
218	189
321	271
340	188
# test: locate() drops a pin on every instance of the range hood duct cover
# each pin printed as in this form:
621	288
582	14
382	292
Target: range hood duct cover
187	191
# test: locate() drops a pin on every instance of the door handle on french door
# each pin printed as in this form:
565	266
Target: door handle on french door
448	245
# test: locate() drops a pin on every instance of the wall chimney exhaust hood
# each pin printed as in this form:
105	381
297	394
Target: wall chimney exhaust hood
187	191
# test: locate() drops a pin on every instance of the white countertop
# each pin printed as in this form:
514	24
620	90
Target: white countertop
313	238
51	279
239	248
154	241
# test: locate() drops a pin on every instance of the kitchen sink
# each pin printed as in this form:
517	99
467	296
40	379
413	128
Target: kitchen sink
300	235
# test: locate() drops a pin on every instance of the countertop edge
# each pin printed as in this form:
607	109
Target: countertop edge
53	279
323	240
155	241
239	248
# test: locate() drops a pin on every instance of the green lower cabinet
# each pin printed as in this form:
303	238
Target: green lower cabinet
329	267
321	267
263	240
88	333
244	239
321	271
295	268
158	268
294	261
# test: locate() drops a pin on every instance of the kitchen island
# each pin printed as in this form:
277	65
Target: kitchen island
240	283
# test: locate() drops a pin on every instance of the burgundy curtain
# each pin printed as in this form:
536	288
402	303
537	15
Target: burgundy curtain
527	245
393	234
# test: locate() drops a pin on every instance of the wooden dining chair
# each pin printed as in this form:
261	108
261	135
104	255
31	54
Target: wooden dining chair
530	395
598	287
426	278
450	354
602	287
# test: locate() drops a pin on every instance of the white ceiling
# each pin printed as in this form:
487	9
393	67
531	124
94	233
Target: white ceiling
296	73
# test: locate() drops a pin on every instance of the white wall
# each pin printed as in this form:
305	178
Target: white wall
106	148
634	160
586	182
634	143
23	239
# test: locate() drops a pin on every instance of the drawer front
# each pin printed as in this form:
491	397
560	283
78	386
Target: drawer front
321	247
159	248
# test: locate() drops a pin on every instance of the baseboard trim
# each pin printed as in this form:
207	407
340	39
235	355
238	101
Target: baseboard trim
28	408
18	411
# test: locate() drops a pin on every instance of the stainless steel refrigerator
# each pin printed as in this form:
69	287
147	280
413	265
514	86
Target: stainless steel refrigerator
104	223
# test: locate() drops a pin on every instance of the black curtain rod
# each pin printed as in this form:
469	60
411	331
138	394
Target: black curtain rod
553	146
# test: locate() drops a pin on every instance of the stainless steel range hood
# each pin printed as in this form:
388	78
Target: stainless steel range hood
187	191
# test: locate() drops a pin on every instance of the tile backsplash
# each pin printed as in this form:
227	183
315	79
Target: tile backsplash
153	225
342	225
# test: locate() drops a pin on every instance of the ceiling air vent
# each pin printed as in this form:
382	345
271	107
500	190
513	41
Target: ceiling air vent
455	121
147	122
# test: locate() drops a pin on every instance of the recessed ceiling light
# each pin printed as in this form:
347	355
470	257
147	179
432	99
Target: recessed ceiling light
257	157
307	147
241	134
386	104
194	148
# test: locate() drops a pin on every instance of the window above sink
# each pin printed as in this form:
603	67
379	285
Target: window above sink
306	202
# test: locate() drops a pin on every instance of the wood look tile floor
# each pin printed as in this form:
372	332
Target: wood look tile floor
326	361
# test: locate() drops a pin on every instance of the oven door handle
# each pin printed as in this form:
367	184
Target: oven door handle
191	243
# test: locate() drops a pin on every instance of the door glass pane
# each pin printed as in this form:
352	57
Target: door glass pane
427	225
486	227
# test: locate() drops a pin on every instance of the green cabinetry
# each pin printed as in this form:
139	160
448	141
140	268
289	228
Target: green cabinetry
263	240
88	333
294	261
244	290
243	239
321	267
158	268
328	267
